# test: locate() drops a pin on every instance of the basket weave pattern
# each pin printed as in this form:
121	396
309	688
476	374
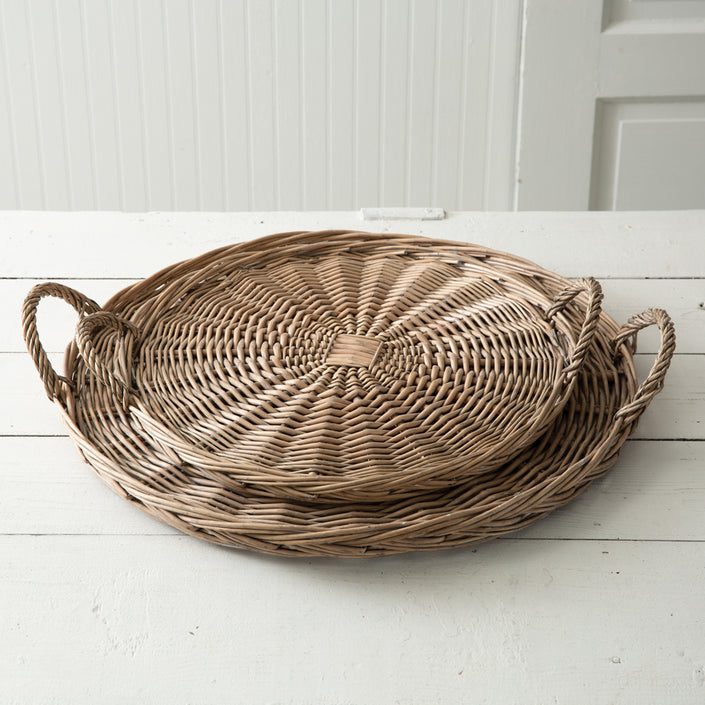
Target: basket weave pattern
344	394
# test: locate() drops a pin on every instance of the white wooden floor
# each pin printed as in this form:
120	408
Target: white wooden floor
602	602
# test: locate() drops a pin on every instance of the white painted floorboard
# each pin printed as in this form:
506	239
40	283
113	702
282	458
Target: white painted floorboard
161	619
601	602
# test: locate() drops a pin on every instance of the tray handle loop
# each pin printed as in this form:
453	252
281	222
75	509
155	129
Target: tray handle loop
593	289
91	329
55	384
653	383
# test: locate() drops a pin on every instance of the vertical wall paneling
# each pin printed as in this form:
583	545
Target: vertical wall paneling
77	104
152	49
22	105
474	106
423	68
257	104
206	51
262	102
236	113
119	106
183	110
88	74
502	121
314	15
341	103
56	182
128	80
368	91
41	139
288	73
9	175
449	93
395	107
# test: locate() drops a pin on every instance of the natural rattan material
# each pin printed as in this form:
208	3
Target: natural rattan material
335	366
203	490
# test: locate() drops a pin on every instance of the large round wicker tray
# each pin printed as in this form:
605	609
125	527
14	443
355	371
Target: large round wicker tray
345	393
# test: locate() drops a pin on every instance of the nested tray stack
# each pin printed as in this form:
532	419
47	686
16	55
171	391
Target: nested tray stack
344	394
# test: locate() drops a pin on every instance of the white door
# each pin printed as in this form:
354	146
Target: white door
612	105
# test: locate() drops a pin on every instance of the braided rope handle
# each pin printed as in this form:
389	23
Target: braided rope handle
88	331
91	319
592	318
653	383
55	385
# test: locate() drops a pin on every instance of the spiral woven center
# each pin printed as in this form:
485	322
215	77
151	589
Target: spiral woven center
353	351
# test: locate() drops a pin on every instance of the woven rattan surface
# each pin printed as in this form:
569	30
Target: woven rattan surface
343	393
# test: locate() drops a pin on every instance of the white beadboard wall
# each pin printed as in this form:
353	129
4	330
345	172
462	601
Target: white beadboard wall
257	104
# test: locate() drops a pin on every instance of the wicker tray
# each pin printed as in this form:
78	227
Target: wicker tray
334	366
563	374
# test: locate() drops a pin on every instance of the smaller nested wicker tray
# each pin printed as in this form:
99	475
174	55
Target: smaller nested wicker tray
342	393
331	366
